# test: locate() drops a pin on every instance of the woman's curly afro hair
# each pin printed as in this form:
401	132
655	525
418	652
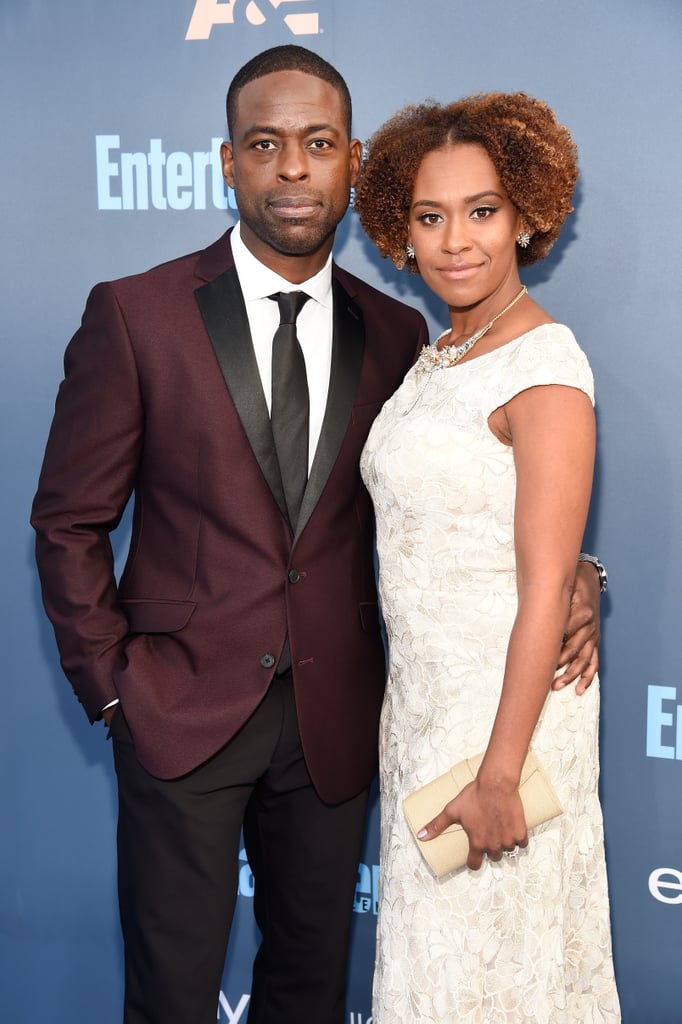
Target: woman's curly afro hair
534	156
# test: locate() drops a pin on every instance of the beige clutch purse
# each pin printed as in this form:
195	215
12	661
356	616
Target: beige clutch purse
450	850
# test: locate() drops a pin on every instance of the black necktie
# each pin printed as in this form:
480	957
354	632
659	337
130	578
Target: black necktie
290	402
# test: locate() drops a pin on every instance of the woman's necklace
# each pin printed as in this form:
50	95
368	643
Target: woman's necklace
433	358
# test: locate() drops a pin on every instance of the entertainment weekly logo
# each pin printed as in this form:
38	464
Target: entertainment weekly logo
207	13
663	723
665	885
152	178
664	742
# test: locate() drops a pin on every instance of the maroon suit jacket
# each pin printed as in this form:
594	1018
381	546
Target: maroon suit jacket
162	398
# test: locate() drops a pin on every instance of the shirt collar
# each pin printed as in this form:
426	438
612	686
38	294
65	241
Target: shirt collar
258	281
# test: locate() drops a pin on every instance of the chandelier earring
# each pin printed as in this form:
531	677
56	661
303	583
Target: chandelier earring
409	249
523	238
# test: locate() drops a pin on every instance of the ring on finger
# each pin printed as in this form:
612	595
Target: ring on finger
511	853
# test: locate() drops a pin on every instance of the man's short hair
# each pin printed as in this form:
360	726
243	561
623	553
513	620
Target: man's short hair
287	58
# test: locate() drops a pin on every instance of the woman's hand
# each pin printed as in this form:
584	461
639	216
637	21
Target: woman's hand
492	816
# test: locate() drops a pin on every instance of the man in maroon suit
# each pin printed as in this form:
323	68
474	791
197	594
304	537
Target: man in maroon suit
239	661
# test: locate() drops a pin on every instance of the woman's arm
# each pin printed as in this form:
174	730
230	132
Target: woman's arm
552	432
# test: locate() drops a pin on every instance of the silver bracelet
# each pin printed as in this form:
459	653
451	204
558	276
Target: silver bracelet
599	566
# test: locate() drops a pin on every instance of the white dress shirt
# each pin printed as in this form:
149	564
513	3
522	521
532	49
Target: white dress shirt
313	326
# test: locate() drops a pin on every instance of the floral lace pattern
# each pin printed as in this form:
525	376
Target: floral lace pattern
524	940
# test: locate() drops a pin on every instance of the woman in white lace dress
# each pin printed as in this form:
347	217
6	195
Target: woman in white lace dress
480	468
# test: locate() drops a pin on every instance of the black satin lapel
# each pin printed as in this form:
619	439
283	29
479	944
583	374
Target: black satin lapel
348	346
224	313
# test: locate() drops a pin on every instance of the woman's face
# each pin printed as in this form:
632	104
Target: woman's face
463	227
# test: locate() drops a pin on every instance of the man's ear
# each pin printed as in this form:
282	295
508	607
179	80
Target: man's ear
227	163
355	159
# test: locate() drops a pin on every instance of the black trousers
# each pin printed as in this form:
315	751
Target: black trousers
178	847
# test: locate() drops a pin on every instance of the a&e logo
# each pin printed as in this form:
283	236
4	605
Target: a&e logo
208	13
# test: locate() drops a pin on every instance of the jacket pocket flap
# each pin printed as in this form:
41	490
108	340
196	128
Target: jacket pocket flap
157	616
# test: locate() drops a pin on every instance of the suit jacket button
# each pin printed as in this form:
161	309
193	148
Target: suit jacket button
294	575
268	660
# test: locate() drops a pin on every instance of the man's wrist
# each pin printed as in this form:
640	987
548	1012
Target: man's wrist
600	568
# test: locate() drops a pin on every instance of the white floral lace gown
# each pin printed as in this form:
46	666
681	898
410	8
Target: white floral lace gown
525	940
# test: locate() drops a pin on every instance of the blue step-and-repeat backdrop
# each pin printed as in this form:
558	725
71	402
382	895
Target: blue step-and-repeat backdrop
112	117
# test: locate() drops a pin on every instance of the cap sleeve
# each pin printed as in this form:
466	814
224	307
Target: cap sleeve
546	355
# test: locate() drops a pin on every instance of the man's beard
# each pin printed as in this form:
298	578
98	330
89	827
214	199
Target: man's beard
293	236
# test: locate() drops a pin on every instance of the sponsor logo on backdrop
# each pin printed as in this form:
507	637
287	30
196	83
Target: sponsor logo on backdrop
230	1015
665	885
663	723
366	896
246	882
295	14
367	890
158	180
